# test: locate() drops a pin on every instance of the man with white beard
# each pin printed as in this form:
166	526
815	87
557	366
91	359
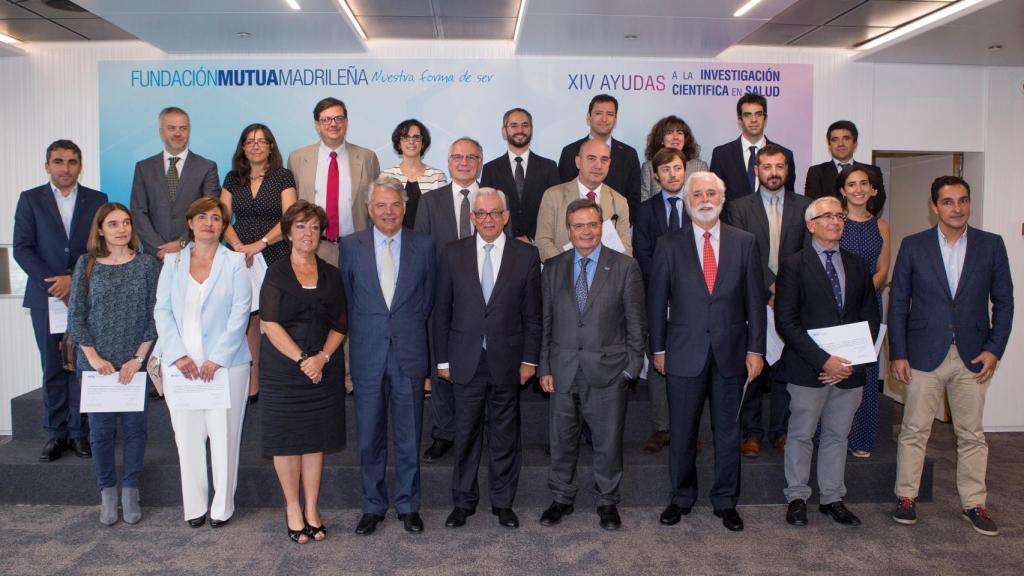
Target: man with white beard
711	344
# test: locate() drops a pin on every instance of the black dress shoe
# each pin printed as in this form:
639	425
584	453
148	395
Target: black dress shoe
197	522
796	513
608	517
219	523
412	522
840	513
458	517
52	449
553	515
81	448
437	450
673	513
730	519
368	524
506	517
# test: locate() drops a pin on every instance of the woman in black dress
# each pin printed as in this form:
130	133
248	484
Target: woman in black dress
303	312
257	192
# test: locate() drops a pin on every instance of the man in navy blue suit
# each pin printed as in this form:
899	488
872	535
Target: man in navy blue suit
735	162
388	274
943	341
51	227
709	344
657	216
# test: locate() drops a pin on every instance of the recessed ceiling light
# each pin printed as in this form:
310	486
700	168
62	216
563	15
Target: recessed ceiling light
995	47
293	4
745	8
243	34
630	36
921	22
9	39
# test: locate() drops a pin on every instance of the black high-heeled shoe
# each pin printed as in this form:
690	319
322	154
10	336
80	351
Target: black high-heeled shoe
315	533
296	535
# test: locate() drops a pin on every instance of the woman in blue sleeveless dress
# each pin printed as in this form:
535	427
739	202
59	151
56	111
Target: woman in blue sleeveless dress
866	236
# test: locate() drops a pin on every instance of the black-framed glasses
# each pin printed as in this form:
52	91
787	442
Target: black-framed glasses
838	216
410	138
482	214
328	120
261	142
461	157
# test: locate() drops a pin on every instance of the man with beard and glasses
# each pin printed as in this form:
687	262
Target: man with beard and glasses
521	174
711	344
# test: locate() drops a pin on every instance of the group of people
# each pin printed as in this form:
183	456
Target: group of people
399	285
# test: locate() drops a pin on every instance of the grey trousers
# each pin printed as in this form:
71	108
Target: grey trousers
659	399
835	407
604	410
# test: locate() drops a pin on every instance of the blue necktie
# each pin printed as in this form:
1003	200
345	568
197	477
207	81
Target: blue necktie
752	169
487	276
673	215
833	278
582	291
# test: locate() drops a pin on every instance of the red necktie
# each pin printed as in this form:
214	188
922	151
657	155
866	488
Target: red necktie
591	195
332	198
710	266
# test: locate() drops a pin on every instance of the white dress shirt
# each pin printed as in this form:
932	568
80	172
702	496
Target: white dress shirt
457	198
181	162
698	236
66	206
597	193
746	148
512	160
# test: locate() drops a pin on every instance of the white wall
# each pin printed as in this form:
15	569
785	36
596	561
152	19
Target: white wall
52	93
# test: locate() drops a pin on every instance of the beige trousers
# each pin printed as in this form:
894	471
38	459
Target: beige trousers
966	405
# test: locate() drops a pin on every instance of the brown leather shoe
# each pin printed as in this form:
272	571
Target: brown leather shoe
657	441
780	444
751	447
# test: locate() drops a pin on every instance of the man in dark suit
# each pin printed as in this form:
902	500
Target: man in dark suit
165	185
735	162
842	143
943	341
592	345
818	287
776	219
51	227
521	174
710	345
388	274
487	343
444	214
624	172
662	213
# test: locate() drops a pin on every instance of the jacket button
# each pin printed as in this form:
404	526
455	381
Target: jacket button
580	349
707	331
66	250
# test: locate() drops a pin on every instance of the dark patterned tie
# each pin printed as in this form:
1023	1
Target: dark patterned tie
673	215
520	177
582	291
833	278
172	178
752	169
464	230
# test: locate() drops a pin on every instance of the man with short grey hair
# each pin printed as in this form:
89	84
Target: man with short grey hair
820	286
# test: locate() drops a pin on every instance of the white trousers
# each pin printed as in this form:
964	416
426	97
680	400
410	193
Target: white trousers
224	429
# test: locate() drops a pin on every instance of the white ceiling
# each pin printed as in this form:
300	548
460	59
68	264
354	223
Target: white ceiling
586	28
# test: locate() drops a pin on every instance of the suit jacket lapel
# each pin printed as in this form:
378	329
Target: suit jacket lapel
970	259
507	262
934	257
601	273
727	257
188	179
355	167
737	150
50	205
77	221
215	271
789	215
159	177
366	246
813	265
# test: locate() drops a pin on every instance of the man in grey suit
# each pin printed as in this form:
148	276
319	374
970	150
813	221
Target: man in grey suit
443	214
775	217
334	174
592	343
166	184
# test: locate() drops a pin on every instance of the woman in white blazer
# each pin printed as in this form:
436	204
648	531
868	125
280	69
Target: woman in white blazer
202	309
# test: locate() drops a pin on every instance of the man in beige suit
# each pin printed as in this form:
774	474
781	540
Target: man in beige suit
592	161
335	175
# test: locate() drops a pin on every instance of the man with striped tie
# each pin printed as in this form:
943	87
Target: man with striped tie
711	345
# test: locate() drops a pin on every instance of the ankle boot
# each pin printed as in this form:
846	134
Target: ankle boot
108	506
130	505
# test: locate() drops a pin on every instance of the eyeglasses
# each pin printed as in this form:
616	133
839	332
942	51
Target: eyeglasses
482	214
837	216
518	125
339	119
461	157
581	226
758	114
261	142
410	138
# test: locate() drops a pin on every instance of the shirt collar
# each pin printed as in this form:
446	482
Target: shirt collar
593	255
942	239
57	192
837	162
498	242
525	156
325	151
608	141
821	249
379	237
457	188
168	156
766	196
747	144
583	189
715	230
665	196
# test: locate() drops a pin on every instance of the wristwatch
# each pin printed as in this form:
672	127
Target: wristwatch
302	358
140	359
265	241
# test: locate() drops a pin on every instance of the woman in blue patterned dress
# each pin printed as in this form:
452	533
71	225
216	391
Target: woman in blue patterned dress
866	236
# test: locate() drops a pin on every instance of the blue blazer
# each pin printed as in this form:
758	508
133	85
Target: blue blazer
375	330
41	246
650	222
225	310
727	162
924	317
728	323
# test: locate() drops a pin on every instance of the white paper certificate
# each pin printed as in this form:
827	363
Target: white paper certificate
610	236
775	345
850	341
185	394
105	394
257	272
58	314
